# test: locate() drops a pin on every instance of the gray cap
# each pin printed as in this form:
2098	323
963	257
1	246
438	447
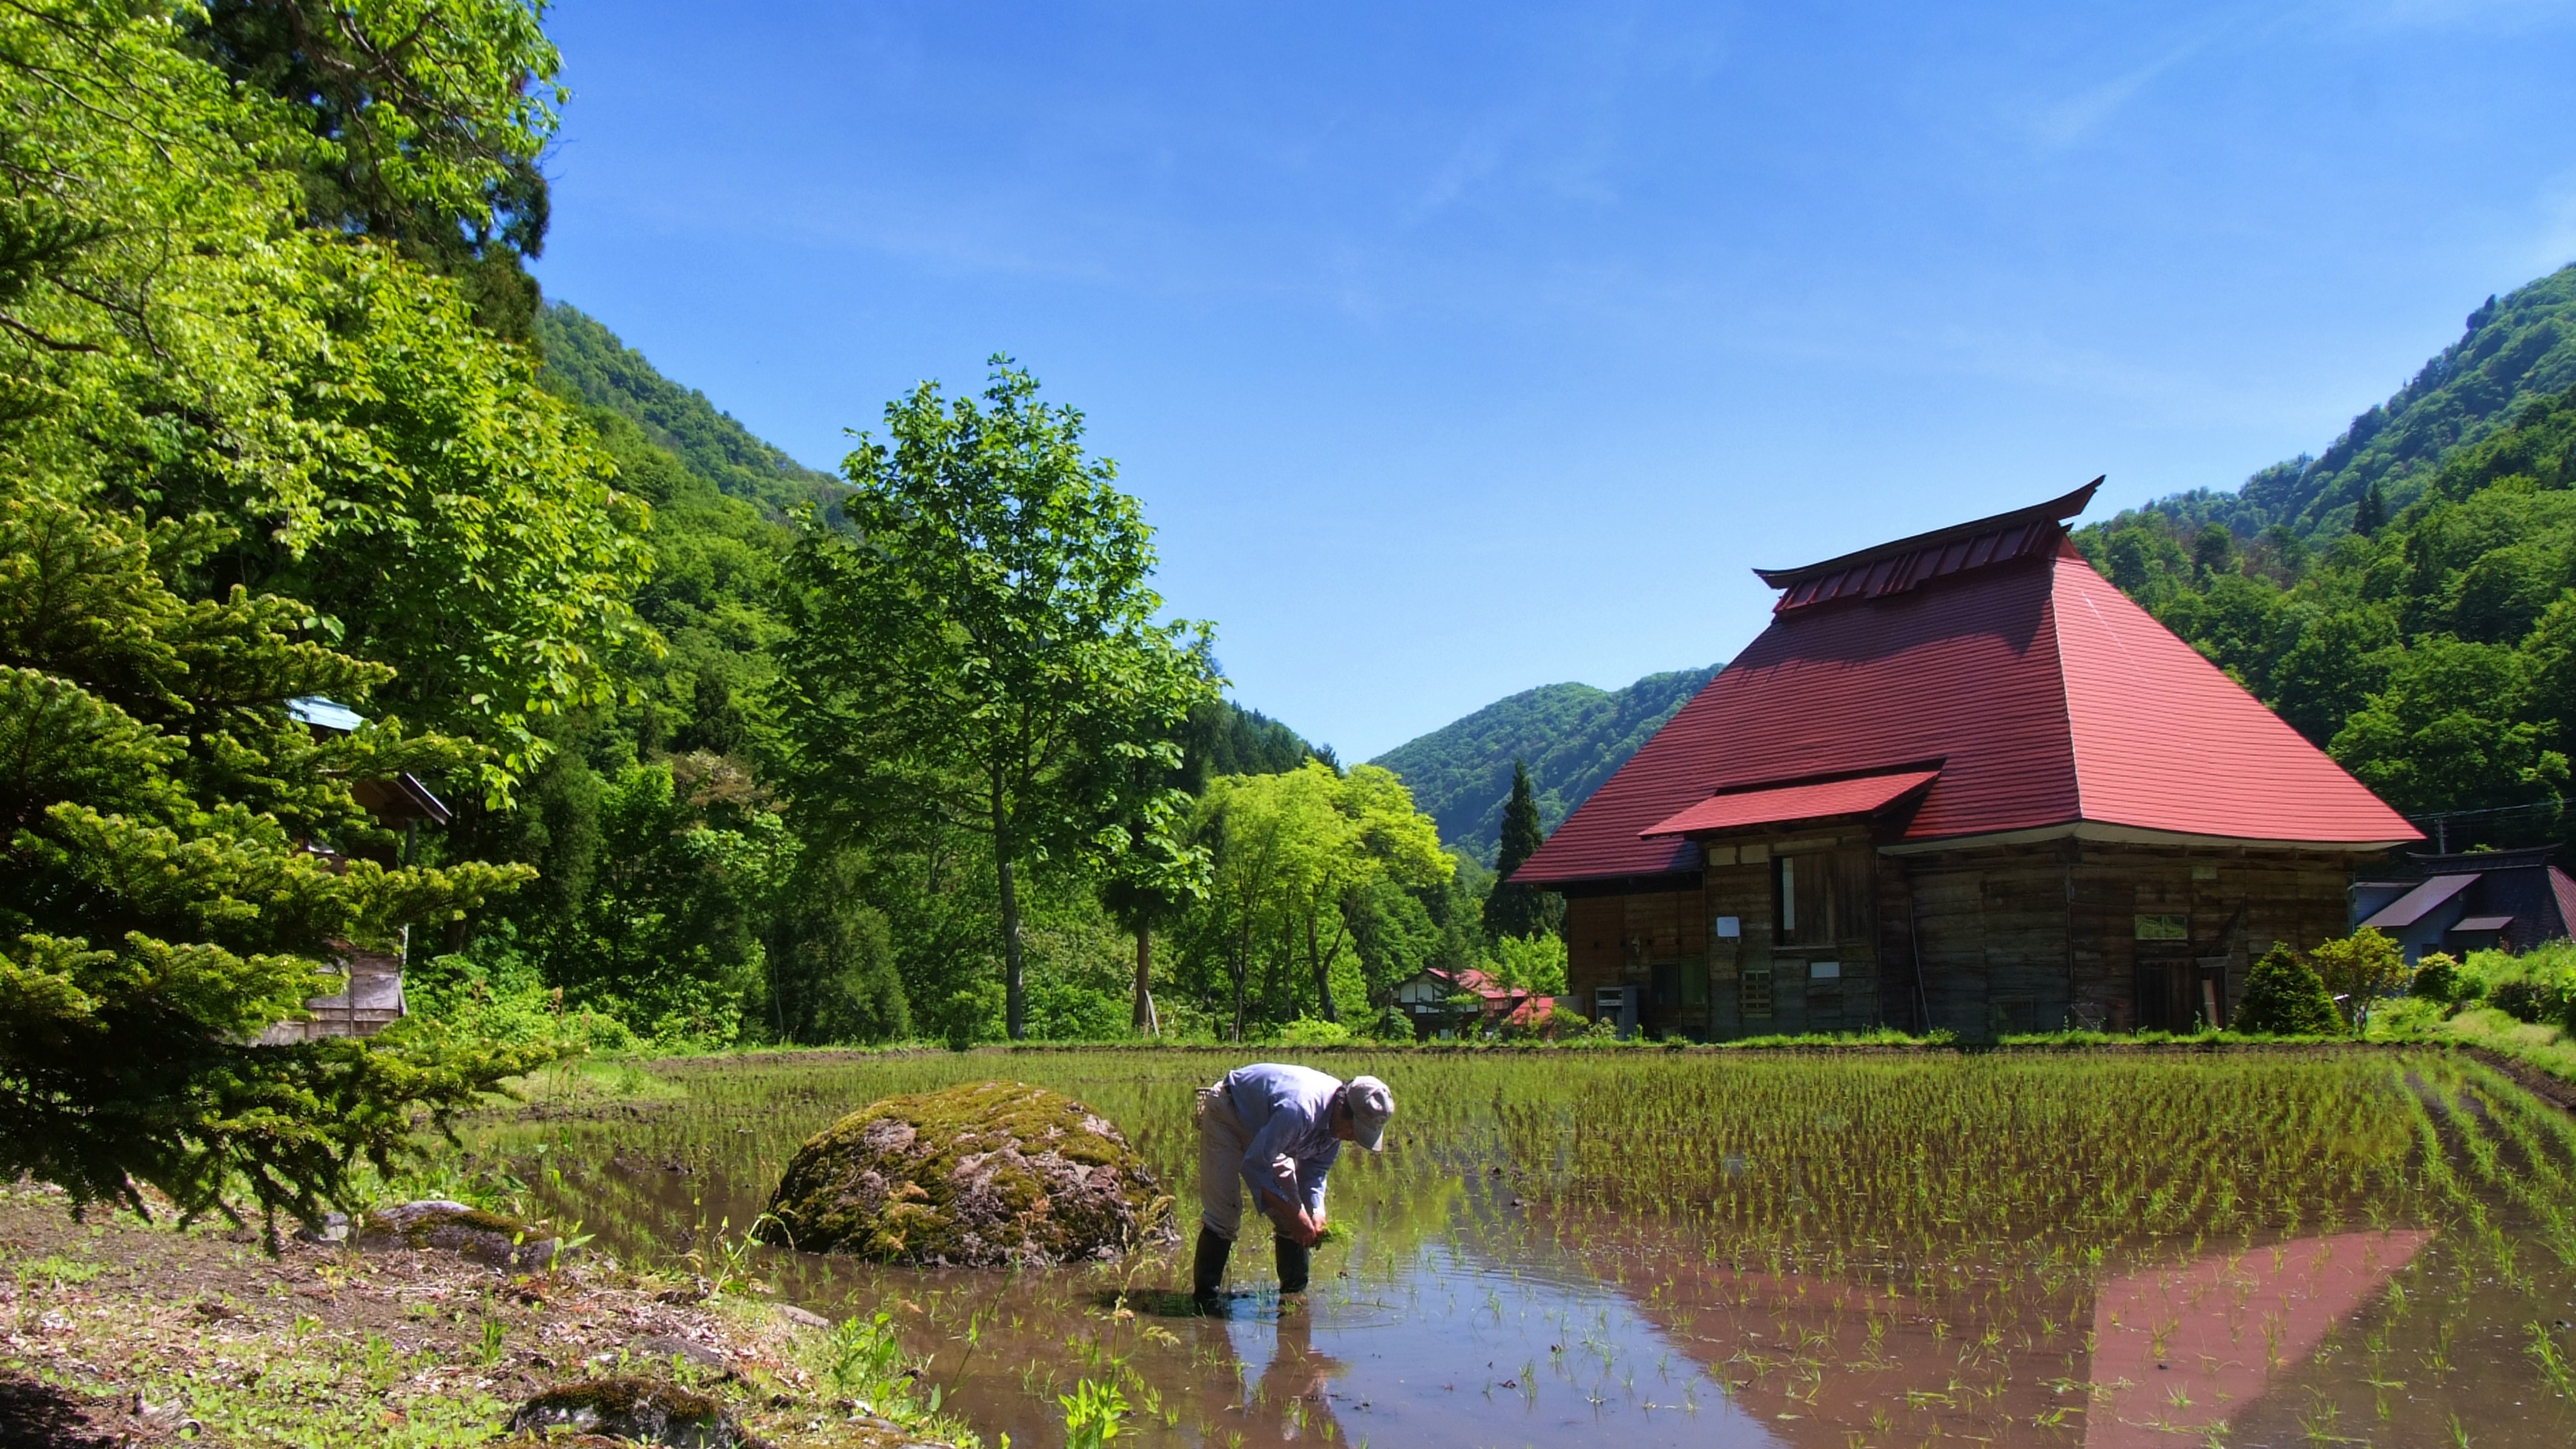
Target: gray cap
1371	1104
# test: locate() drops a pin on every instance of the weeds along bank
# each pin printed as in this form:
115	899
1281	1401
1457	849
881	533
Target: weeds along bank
1897	1241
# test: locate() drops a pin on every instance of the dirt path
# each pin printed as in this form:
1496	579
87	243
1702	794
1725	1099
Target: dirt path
114	1332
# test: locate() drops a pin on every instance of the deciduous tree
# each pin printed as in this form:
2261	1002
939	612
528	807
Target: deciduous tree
982	639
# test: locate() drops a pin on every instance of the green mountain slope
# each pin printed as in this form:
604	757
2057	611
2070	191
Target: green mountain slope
587	363
2516	349
2431	649
1571	736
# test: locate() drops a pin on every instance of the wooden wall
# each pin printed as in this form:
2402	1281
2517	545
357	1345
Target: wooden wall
2007	938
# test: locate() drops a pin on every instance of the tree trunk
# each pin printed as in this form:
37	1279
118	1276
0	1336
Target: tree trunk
1323	978
1143	1019
1015	1012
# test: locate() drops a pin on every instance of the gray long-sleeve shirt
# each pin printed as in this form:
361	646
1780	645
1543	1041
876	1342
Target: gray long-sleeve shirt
1288	1113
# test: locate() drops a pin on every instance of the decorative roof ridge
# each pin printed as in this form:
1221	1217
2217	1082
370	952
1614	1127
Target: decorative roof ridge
2055	510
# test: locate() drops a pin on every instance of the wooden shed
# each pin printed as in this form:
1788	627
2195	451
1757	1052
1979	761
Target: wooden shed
1961	782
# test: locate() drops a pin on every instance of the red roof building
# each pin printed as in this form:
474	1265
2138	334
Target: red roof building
1444	1005
1966	750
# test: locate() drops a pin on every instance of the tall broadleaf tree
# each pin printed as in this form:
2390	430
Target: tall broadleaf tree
982	651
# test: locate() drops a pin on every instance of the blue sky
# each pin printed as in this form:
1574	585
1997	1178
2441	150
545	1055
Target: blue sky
1456	349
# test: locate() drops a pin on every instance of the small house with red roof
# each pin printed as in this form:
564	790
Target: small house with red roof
1961	782
1445	1004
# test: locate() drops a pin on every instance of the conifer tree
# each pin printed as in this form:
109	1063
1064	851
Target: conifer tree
183	861
1517	910
2284	997
2371	514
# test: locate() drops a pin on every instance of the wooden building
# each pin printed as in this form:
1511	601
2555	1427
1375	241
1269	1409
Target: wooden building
371	999
2485	900
1444	1006
1961	782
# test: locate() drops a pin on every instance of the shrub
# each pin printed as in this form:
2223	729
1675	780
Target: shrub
2437	978
1307	1031
2284	997
2361	968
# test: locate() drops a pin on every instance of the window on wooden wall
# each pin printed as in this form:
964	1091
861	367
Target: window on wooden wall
1753	993
2164	927
1820	898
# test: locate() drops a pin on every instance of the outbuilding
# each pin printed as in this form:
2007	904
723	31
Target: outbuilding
1961	782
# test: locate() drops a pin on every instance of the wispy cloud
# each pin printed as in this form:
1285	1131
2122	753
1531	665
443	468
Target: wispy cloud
2070	121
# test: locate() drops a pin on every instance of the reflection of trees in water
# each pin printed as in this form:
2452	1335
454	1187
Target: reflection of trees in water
2041	1351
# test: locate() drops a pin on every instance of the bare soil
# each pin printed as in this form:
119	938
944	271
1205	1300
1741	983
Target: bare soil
119	1332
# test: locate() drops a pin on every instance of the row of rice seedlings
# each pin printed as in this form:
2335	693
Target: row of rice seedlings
1942	1218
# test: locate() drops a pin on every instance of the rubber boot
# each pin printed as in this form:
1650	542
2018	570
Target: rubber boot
1209	1268
1294	1259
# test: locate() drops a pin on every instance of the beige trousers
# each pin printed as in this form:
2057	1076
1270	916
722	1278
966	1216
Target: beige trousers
1222	1143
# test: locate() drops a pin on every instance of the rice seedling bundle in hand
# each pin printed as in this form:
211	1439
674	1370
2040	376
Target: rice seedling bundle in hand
976	1175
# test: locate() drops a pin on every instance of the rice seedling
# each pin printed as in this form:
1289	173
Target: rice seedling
2251	1246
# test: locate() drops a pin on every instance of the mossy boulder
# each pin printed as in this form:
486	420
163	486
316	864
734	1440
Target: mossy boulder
973	1176
646	1411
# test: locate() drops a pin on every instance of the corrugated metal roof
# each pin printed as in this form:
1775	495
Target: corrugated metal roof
1781	804
314	710
2483	923
2413	906
2047	695
1910	563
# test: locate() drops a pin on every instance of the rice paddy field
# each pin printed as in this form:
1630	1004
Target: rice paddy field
1649	1248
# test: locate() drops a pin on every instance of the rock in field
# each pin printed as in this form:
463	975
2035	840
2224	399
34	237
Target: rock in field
643	1410
974	1176
484	1237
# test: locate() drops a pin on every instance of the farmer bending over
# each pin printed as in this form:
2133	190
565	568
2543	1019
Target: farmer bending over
1276	1129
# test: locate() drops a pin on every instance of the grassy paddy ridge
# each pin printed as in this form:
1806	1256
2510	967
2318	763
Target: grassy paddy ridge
2258	1247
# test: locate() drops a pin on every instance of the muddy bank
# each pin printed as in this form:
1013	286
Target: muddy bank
117	1332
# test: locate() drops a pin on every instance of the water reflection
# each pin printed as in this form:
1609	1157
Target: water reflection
2187	1349
1469	1307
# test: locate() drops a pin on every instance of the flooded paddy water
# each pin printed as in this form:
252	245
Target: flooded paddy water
1649	1248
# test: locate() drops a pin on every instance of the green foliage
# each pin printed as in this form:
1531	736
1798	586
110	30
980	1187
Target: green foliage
2437	979
1092	1414
1294	863
2361	969
1572	736
1223	738
2284	997
427	123
1537	962
585	361
2515	350
2433	656
159	904
1517	910
175	339
985	656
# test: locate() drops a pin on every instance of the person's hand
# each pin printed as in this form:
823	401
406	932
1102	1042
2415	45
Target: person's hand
1300	1226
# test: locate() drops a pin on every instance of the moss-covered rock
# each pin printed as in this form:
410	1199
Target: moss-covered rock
976	1175
646	1411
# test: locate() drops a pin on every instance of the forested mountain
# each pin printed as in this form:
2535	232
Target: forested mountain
586	362
2405	600
1571	737
2517	348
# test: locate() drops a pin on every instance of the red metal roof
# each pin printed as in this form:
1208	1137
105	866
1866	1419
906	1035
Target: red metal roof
1910	563
1782	804
2047	697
